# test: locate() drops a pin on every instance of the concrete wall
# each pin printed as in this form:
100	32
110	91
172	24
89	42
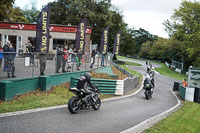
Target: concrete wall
130	84
10	88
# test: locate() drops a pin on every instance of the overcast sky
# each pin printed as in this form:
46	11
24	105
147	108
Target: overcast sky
146	14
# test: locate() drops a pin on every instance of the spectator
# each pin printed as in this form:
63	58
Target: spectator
74	55
11	57
70	59
184	82
32	54
93	58
1	53
64	58
5	55
78	60
28	47
43	59
29	50
102	59
59	53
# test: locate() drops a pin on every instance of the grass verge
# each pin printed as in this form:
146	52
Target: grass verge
133	72
132	63
122	57
164	70
185	120
58	95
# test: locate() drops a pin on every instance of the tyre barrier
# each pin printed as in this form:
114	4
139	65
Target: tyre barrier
197	95
190	94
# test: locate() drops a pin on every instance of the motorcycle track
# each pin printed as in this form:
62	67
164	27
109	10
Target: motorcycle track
114	115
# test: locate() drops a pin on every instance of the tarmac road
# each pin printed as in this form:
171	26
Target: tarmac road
114	116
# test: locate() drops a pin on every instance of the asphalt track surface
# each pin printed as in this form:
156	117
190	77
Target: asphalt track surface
114	116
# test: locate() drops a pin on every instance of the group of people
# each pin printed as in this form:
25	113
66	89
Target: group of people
65	56
8	54
68	56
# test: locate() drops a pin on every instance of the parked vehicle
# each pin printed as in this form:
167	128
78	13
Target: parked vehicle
83	100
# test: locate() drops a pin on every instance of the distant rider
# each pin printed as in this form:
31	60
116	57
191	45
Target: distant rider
148	81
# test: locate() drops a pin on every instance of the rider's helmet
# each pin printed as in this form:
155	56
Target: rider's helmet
147	77
87	75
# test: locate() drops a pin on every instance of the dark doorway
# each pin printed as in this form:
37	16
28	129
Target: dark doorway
13	40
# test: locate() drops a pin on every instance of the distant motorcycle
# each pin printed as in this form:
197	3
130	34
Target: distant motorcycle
148	87
148	91
79	101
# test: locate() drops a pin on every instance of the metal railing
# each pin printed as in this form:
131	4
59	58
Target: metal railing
115	63
31	64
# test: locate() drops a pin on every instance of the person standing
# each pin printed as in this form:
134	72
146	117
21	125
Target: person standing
1	54
28	51
43	59
184	81
59	53
78	60
102	59
64	58
11	57
70	59
93	58
28	47
5	55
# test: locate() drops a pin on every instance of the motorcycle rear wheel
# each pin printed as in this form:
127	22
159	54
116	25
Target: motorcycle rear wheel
73	105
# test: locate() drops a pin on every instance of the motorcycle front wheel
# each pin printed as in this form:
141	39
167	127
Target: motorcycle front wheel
73	105
96	105
147	94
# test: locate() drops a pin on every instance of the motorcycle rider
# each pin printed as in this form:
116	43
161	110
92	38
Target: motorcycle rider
149	81
83	86
151	74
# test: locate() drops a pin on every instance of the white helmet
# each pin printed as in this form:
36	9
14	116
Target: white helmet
147	77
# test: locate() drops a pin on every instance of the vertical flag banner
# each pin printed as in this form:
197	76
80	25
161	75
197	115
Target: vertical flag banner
80	36
117	43
104	41
42	33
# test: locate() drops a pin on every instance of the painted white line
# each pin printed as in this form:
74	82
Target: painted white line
60	106
157	72
153	120
32	110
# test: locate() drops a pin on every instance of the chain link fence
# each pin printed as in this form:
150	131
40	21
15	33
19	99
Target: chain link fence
24	65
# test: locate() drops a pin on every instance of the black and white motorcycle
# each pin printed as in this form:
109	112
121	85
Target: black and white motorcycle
84	100
148	88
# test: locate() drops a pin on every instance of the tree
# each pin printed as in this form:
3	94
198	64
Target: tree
5	9
141	36
99	15
31	14
184	26
17	15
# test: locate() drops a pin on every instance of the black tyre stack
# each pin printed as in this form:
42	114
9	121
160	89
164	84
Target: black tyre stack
197	95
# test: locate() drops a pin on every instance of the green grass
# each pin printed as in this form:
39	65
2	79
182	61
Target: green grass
122	57
166	71
132	63
185	120
57	96
133	72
